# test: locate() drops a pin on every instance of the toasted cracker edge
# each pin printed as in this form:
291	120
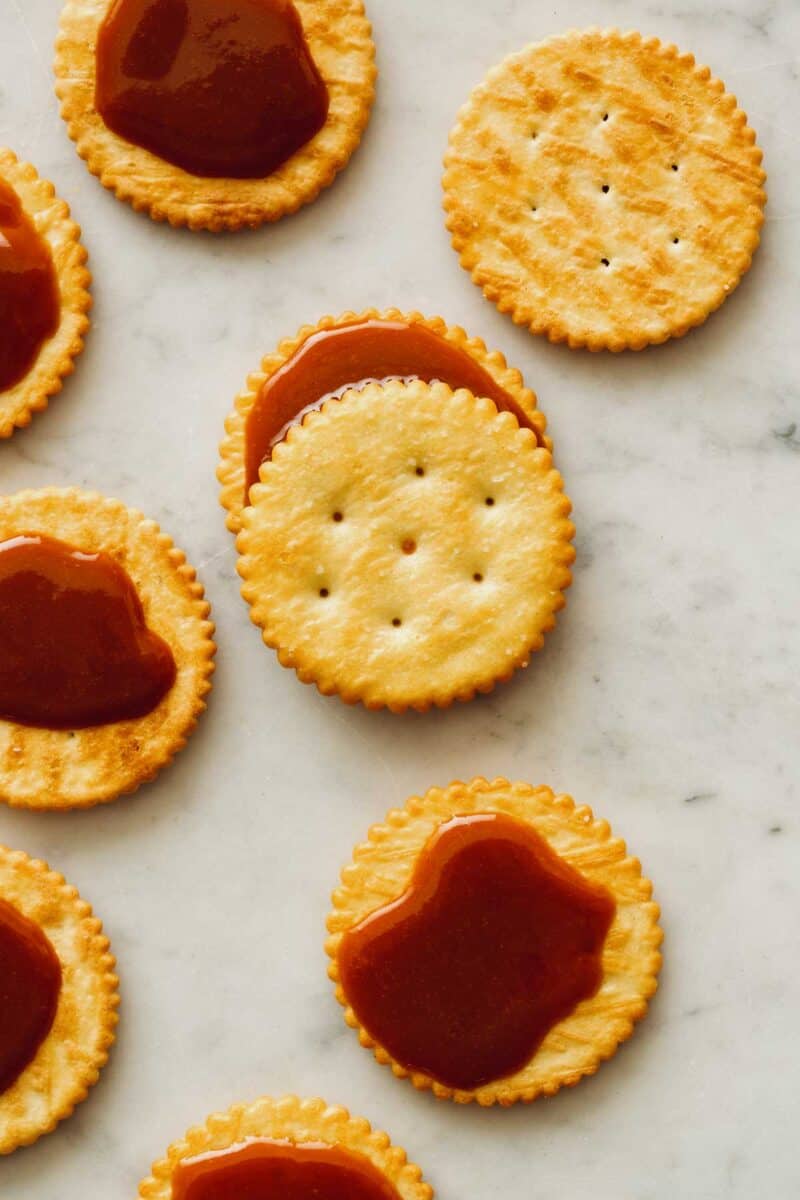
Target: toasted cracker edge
427	813
22	1131
56	358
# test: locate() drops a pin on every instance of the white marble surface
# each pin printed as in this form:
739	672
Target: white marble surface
667	699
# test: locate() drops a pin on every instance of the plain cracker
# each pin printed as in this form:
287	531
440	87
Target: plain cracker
231	469
55	360
69	1059
339	37
381	871
398	588
45	768
528	161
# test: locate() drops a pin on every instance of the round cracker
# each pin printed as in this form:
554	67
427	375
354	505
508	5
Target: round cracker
381	871
231	469
339	38
69	1060
292	1120
526	172
407	546
58	769
56	357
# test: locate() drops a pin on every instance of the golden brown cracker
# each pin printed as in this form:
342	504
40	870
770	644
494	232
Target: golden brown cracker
339	37
292	1120
46	768
407	546
604	190
381	871
56	358
69	1060
231	469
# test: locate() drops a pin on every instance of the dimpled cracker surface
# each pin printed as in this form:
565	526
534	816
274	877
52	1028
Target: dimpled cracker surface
604	190
69	1059
407	546
288	1118
339	37
231	469
381	871
50	216
47	768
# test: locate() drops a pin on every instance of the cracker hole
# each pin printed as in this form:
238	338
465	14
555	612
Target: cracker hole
396	622
337	516
478	577
324	593
534	134
489	501
605	116
675	241
419	471
674	166
408	546
605	187
605	262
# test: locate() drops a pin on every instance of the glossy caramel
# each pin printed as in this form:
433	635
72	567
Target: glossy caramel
74	647
333	360
495	941
30	984
269	1170
217	87
29	298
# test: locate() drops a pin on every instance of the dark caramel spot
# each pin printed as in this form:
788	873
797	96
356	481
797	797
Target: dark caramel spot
75	650
495	941
331	361
217	87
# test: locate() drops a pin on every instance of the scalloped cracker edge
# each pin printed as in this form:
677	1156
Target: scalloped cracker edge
289	1119
58	769
56	357
487	526
339	37
604	190
231	470
68	1062
381	871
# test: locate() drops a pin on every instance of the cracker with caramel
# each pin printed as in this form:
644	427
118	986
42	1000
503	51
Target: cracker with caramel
292	1122
604	190
78	767
232	470
56	358
407	546
382	870
69	1059
339	39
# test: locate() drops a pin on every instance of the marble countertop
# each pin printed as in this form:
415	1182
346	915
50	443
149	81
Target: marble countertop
667	699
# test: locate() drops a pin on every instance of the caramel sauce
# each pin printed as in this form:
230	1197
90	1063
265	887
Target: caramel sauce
333	360
74	647
30	984
29	298
217	87
267	1170
495	941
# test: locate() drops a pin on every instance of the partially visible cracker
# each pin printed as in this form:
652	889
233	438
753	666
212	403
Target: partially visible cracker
407	546
604	190
339	38
56	358
69	1060
231	470
381	871
293	1120
46	768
